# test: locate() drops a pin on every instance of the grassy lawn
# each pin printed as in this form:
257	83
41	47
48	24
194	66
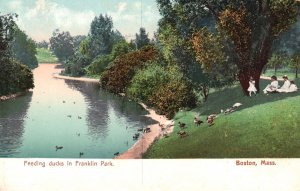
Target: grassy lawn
264	126
45	56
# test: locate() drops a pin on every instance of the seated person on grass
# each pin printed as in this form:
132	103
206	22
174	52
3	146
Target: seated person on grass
286	85
273	86
293	87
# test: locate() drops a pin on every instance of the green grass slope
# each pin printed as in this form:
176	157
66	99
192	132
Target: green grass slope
45	56
264	126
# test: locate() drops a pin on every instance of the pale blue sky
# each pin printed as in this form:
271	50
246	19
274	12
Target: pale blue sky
38	18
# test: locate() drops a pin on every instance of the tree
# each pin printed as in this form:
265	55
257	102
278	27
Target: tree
295	63
248	28
14	76
117	77
42	44
276	61
120	48
176	48
24	48
62	45
142	39
101	36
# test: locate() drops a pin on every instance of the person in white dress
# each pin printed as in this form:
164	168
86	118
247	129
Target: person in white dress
292	88
273	86
252	87
286	85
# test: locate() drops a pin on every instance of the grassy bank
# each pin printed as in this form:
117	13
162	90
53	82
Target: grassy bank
264	126
45	56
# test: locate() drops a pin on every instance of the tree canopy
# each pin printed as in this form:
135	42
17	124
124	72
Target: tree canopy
62	44
24	48
248	29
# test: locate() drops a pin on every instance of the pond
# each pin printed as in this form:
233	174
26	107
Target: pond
78	116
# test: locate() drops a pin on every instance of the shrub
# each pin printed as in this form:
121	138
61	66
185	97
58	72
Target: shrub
98	65
170	97
145	81
118	76
14	77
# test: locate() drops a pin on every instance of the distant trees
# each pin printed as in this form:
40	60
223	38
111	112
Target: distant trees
62	44
141	39
42	44
101	36
14	76
276	61
295	63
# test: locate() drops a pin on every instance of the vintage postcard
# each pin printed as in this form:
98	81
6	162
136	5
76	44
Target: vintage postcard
149	95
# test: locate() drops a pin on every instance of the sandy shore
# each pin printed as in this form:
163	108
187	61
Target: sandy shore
74	78
157	131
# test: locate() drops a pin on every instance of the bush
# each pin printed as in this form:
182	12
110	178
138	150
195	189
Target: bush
98	65
76	64
14	77
170	97
145	81
118	76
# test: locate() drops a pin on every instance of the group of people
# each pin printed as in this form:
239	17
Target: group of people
288	86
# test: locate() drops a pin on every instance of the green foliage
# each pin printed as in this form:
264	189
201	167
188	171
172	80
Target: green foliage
170	97
295	63
276	61
98	65
142	39
45	56
75	65
24	49
14	77
120	48
42	44
118	76
62	45
101	36
7	26
147	80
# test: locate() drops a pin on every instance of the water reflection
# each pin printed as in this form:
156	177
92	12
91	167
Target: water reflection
104	107
12	117
78	116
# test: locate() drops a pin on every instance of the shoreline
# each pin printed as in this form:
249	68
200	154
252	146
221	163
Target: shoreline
12	96
162	127
56	75
147	139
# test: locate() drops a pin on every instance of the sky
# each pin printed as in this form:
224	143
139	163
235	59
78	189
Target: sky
39	18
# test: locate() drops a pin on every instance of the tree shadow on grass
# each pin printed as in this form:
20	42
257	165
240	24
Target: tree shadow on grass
225	98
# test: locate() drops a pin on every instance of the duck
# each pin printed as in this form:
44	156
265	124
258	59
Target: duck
79	117
59	147
69	116
117	153
181	125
